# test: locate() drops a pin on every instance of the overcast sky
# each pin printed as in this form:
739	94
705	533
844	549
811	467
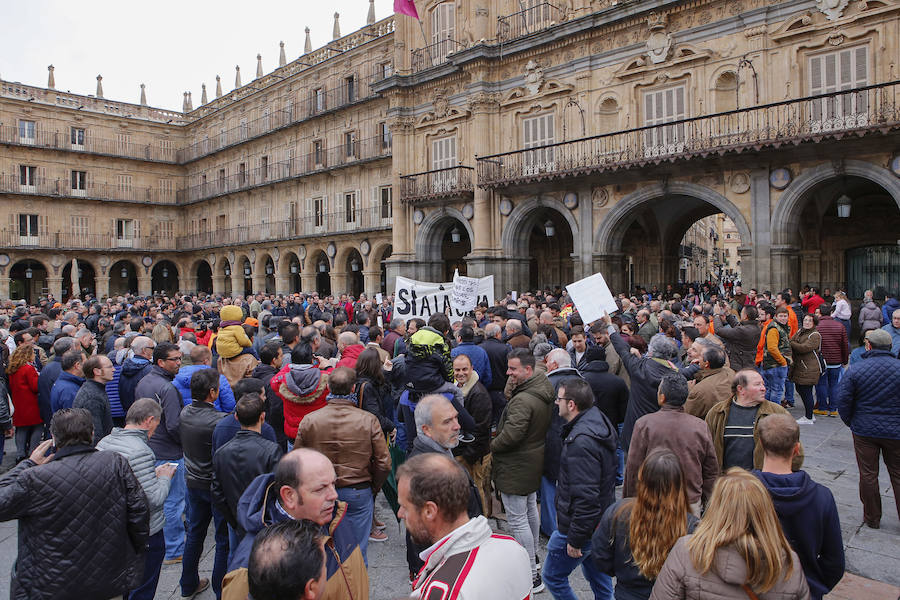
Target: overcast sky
171	46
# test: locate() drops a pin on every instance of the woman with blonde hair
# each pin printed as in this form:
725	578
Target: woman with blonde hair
737	551
636	534
842	310
161	333
23	388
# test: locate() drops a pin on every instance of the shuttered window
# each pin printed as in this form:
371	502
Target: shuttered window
836	72
538	131
443	31
664	106
443	156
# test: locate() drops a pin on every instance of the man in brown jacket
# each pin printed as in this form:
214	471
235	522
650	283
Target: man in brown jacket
685	435
514	335
713	380
352	439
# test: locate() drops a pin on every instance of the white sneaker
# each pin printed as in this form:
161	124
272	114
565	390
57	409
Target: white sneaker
805	421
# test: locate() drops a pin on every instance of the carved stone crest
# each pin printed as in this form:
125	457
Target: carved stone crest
534	76
441	105
659	44
833	9
599	197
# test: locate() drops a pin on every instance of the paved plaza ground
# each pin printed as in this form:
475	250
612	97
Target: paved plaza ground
873	556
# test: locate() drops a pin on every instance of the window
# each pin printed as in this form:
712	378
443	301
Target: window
80	226
125	233
244	129
221	178
443	158
223	137
664	106
167	188
319	211
289	164
318	153
537	14
242	173
27	131
443	31
166	230
77	138
538	131
264	167
350	207
28	229
385	197
384	134
350	89
79	183
123	143
386	70
266	122
836	72
350	144
203	225
318	99
124	187
221	222
27	178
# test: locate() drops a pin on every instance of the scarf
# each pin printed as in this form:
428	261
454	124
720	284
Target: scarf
473	379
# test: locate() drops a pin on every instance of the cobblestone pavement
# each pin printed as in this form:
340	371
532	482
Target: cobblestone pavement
871	554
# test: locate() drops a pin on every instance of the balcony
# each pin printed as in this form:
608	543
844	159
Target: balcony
58	140
62	188
863	111
536	18
80	241
434	54
366	219
320	101
344	155
421	188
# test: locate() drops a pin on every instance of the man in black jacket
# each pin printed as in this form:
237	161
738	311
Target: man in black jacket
741	338
271	357
197	422
497	351
239	461
475	456
166	442
610	396
98	371
83	517
585	488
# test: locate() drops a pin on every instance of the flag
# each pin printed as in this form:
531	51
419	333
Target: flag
406	7
567	310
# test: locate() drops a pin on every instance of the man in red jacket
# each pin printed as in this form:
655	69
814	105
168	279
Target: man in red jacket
835	350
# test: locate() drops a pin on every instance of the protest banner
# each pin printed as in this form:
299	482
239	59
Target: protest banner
464	296
592	297
422	299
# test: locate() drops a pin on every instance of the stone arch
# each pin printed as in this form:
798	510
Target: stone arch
287	258
512	240
725	89
432	230
786	216
609	234
201	272
120	285
377	254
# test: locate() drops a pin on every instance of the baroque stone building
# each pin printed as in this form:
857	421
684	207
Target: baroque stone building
535	141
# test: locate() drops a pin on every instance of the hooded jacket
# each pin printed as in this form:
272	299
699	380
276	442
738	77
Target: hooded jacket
518	449
870	316
345	569
349	355
809	518
133	370
182	382
887	310
302	389
63	393
587	475
474	562
680	579
610	391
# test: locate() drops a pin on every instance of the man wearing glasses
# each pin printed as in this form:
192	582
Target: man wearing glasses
166	442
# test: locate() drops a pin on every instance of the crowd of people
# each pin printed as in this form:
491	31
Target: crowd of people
652	447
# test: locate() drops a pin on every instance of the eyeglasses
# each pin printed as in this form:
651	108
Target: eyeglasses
174	358
564	398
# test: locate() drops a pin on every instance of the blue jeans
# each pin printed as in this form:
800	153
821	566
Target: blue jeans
774	379
173	508
156	550
827	388
559	565
234	538
548	507
788	391
360	508
199	513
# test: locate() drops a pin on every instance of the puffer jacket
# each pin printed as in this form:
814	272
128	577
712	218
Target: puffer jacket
345	568
132	444
804	344
610	391
553	441
302	389
587	475
870	316
680	579
133	370
63	392
182	382
518	449
83	525
740	340
351	438
349	355
711	387
232	339
869	397
887	310
777	348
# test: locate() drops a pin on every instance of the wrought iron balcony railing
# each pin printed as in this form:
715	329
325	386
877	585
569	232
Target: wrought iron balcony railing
62	188
434	54
439	183
346	154
869	109
81	241
316	225
535	18
87	144
318	102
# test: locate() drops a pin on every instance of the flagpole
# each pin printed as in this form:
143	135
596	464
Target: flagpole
425	41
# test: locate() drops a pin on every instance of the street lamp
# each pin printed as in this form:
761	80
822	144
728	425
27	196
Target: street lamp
455	235
323	267
123	272
29	273
165	272
294	267
247	269
227	271
354	265
269	269
843	206
549	229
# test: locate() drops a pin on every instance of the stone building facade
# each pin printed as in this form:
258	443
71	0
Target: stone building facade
535	141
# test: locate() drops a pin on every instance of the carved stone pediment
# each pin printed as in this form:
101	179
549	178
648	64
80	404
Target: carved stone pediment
682	54
550	87
833	9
